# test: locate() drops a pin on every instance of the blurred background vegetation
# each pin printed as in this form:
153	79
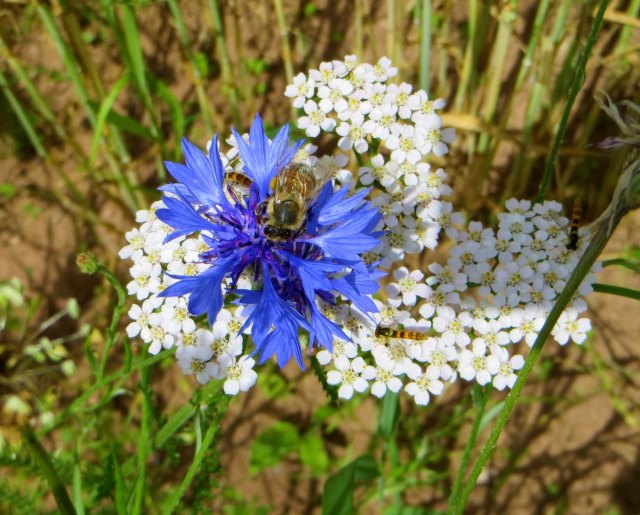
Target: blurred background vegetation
96	94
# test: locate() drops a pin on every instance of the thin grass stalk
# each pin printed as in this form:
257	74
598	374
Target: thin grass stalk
395	14
482	394
228	80
84	212
244	83
74	33
71	65
206	109
533	101
562	32
467	76
39	103
112	330
69	61
23	118
574	88
358	28
507	18
136	61
632	11
532	47
521	171
443	74
425	44
519	178
45	465
285	46
126	182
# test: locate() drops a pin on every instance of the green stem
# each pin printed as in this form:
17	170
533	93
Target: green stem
112	330
425	44
41	457
482	396
200	454
617	290
574	88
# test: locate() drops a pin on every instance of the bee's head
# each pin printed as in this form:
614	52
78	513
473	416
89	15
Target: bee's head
273	232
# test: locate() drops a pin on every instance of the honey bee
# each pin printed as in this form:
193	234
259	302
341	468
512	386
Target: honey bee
404	334
294	188
572	244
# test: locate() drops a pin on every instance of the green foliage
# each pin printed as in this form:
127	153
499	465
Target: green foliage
340	487
272	445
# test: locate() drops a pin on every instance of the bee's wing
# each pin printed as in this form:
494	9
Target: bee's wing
323	175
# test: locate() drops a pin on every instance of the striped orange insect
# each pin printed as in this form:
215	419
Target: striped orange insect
572	244
238	178
404	334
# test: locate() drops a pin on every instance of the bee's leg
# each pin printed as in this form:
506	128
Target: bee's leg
261	209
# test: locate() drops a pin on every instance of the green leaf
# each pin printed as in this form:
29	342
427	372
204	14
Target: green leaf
366	468
313	454
625	263
121	490
271	446
389	415
175	422
103	113
176	109
7	190
337	497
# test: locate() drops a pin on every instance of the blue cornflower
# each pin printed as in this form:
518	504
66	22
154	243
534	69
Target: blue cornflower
320	261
